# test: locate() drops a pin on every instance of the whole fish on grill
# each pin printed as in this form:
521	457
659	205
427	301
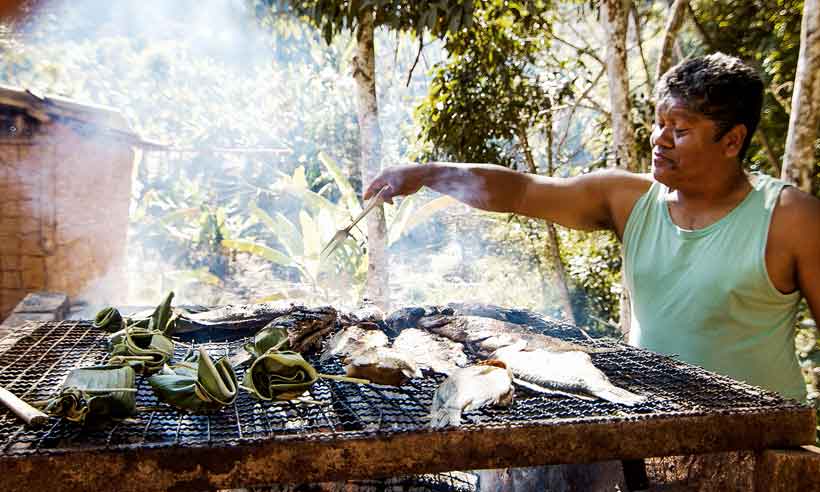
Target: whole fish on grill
431	351
470	388
381	365
489	334
407	317
249	317
570	373
353	339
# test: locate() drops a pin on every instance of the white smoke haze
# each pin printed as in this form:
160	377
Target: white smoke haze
203	77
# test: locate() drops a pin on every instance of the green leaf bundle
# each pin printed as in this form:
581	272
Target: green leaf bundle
196	383
161	319
95	392
146	350
279	375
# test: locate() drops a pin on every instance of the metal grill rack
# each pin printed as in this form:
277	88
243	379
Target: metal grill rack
340	420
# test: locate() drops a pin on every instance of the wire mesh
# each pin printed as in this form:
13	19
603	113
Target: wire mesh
35	366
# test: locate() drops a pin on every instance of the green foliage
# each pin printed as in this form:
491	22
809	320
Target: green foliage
594	262
299	246
491	89
438	17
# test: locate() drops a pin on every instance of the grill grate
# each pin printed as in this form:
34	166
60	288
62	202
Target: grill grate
36	365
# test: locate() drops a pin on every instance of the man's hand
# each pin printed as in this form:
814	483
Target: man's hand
400	181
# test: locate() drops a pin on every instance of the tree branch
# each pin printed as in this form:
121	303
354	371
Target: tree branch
575	106
587	50
637	20
764	141
418	55
674	21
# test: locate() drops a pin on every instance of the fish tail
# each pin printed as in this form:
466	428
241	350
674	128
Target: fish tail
619	395
442	417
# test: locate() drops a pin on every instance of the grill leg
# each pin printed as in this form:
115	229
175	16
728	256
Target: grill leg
635	475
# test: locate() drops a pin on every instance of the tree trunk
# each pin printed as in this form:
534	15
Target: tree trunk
614	14
674	21
798	159
364	73
615	19
553	247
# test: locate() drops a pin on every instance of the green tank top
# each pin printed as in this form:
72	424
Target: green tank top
705	295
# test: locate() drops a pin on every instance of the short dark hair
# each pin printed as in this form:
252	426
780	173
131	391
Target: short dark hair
720	87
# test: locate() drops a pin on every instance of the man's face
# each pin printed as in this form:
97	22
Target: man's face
684	150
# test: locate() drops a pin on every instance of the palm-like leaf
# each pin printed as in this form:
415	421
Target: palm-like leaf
348	192
257	249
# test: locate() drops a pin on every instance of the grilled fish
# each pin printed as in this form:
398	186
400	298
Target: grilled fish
381	365
489	334
249	317
470	388
407	317
570	373
369	315
353	339
431	351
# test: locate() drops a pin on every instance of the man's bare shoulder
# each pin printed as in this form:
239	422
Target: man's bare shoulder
622	190
797	213
798	209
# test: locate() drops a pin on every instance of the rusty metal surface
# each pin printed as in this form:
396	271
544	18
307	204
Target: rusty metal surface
357	432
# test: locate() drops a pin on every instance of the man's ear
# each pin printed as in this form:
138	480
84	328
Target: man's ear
733	140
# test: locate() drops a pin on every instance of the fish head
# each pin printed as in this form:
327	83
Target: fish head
434	321
495	342
508	350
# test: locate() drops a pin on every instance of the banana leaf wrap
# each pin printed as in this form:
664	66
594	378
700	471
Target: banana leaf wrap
161	319
271	337
95	392
145	350
196	383
109	319
279	375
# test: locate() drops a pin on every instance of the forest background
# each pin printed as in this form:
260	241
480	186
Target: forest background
270	135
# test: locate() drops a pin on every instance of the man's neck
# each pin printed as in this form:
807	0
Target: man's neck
697	207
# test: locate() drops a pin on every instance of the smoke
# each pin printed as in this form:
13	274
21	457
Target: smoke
225	91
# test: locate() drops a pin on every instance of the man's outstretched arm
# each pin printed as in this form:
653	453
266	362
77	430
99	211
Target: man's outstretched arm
598	200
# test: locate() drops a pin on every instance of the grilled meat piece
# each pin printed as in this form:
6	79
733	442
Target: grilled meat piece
307	328
431	351
469	388
569	373
354	339
381	365
368	315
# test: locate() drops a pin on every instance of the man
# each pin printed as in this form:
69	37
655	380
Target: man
716	260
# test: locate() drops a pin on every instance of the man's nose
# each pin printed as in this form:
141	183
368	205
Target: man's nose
661	137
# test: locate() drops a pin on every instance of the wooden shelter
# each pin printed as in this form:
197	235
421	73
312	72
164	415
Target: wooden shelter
65	188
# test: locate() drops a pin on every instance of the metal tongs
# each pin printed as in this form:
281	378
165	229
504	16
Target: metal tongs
343	234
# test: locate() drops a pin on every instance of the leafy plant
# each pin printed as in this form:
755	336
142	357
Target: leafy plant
299	242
